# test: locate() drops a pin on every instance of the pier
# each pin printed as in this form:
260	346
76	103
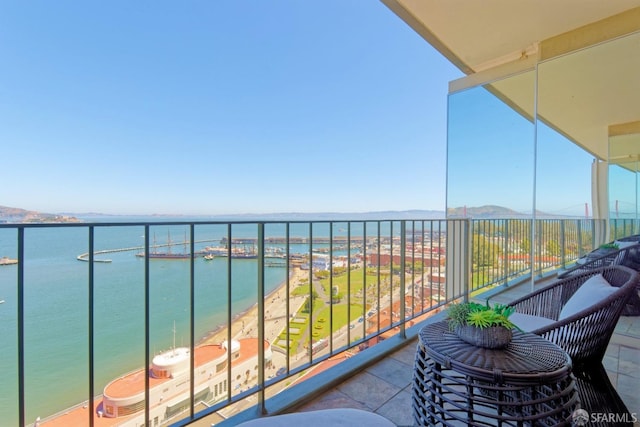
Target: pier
85	256
340	242
293	240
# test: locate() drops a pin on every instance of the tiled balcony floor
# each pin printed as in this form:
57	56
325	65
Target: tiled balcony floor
385	387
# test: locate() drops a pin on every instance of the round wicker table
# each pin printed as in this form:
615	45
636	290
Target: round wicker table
527	383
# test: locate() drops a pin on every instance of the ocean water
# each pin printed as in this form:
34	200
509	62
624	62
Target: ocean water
56	307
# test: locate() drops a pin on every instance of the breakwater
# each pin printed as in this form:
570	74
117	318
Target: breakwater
85	256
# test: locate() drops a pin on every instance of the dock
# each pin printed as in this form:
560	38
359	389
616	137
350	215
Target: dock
292	240
85	256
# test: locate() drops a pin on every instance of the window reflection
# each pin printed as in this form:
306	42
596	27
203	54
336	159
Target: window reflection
624	156
490	147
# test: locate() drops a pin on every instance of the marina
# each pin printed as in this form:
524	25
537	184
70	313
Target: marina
54	283
223	286
240	248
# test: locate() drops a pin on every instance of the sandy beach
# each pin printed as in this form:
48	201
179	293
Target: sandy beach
246	323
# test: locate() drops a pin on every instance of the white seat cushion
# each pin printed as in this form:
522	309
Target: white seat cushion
324	418
594	290
528	322
624	245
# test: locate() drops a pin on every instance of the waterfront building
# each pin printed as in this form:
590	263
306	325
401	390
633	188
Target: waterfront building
123	401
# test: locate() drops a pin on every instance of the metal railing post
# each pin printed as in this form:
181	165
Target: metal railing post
563	244
21	399
467	270
403	258
261	321
91	326
457	236
147	319
192	319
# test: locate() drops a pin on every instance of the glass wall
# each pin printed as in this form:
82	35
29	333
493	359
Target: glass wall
624	156
529	142
490	149
580	96
536	144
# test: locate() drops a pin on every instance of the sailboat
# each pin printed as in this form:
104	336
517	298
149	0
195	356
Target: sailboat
168	254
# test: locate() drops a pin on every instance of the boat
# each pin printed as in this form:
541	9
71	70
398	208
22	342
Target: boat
7	261
168	254
123	399
209	257
246	252
1	301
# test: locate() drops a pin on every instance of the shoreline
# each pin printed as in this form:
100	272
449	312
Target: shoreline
249	316
220	334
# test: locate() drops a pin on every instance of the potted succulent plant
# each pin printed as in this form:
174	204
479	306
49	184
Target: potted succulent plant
610	246
481	325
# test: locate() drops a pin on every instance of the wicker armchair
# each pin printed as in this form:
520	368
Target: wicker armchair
597	395
632	238
628	256
584	335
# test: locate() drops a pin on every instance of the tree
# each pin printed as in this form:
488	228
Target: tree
485	253
553	248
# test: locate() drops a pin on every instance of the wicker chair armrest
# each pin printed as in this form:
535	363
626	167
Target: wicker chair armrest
633	238
619	257
585	334
548	301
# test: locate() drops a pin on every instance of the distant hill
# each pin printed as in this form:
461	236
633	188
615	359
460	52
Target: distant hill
495	212
17	215
339	216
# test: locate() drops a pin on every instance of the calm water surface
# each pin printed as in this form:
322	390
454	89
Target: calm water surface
56	295
56	303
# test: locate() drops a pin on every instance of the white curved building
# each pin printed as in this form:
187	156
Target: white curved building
169	386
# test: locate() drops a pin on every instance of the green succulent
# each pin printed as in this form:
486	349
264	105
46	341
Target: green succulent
609	246
478	315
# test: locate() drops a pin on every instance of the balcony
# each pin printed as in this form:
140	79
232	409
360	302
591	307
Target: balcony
385	389
177	323
87	306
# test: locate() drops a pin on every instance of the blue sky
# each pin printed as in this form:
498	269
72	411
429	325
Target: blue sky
491	159
219	107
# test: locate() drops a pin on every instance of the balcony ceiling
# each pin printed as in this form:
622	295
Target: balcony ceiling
591	91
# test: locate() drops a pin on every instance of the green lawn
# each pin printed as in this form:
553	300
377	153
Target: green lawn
302	290
322	320
303	328
321	311
357	281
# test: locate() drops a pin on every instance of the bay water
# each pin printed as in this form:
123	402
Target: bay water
56	307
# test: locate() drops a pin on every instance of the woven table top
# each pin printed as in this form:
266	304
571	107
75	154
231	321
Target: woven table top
528	358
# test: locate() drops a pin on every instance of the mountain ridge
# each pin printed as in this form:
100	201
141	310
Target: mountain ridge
12	215
19	215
